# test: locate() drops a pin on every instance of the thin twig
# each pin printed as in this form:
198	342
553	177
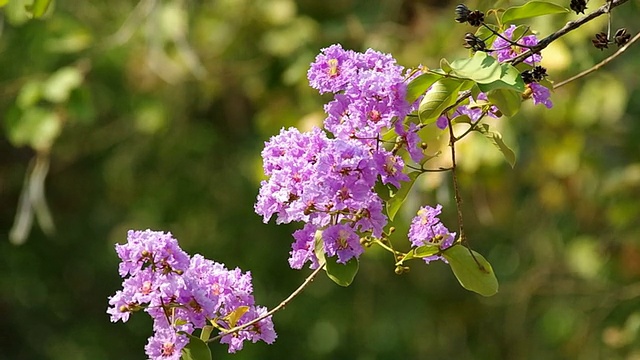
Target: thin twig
570	26
456	190
598	65
275	309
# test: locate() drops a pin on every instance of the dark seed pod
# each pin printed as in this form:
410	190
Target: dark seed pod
527	76
600	41
474	43
476	18
621	37
579	6
462	13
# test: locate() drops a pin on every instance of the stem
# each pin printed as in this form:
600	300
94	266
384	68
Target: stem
275	309
456	190
570	26
600	64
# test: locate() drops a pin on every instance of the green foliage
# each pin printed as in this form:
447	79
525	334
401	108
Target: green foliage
38	8
398	197
496	140
443	93
341	274
472	270
196	349
531	9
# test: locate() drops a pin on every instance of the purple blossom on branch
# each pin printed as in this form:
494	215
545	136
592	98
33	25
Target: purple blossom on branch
503	50
427	229
182	294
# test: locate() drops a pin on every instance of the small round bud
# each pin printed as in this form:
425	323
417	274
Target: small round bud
399	270
123	308
423	146
392	230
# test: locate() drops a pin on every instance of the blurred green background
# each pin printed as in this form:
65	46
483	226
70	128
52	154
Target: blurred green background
152	114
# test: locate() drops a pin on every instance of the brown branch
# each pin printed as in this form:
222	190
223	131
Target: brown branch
600	64
570	26
274	310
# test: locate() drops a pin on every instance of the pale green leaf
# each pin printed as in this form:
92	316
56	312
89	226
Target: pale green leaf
472	271
442	94
496	140
60	84
508	101
532	9
420	85
38	8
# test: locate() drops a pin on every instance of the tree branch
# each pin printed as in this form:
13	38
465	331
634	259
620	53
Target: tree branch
600	64
274	310
570	26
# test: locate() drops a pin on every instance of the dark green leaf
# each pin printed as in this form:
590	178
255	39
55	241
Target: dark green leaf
472	271
196	349
394	204
442	94
420	85
342	274
532	9
496	139
508	101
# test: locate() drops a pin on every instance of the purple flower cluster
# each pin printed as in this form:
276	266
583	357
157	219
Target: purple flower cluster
325	183
369	89
182	293
505	51
327	179
427	229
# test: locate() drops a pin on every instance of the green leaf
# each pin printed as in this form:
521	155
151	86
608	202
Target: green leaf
233	317
442	94
3	3
206	332
480	68
509	79
59	86
426	250
532	9
394	204
342	274
318	249
508	101
196	349
445	66
38	8
420	85
496	139
473	274
35	126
